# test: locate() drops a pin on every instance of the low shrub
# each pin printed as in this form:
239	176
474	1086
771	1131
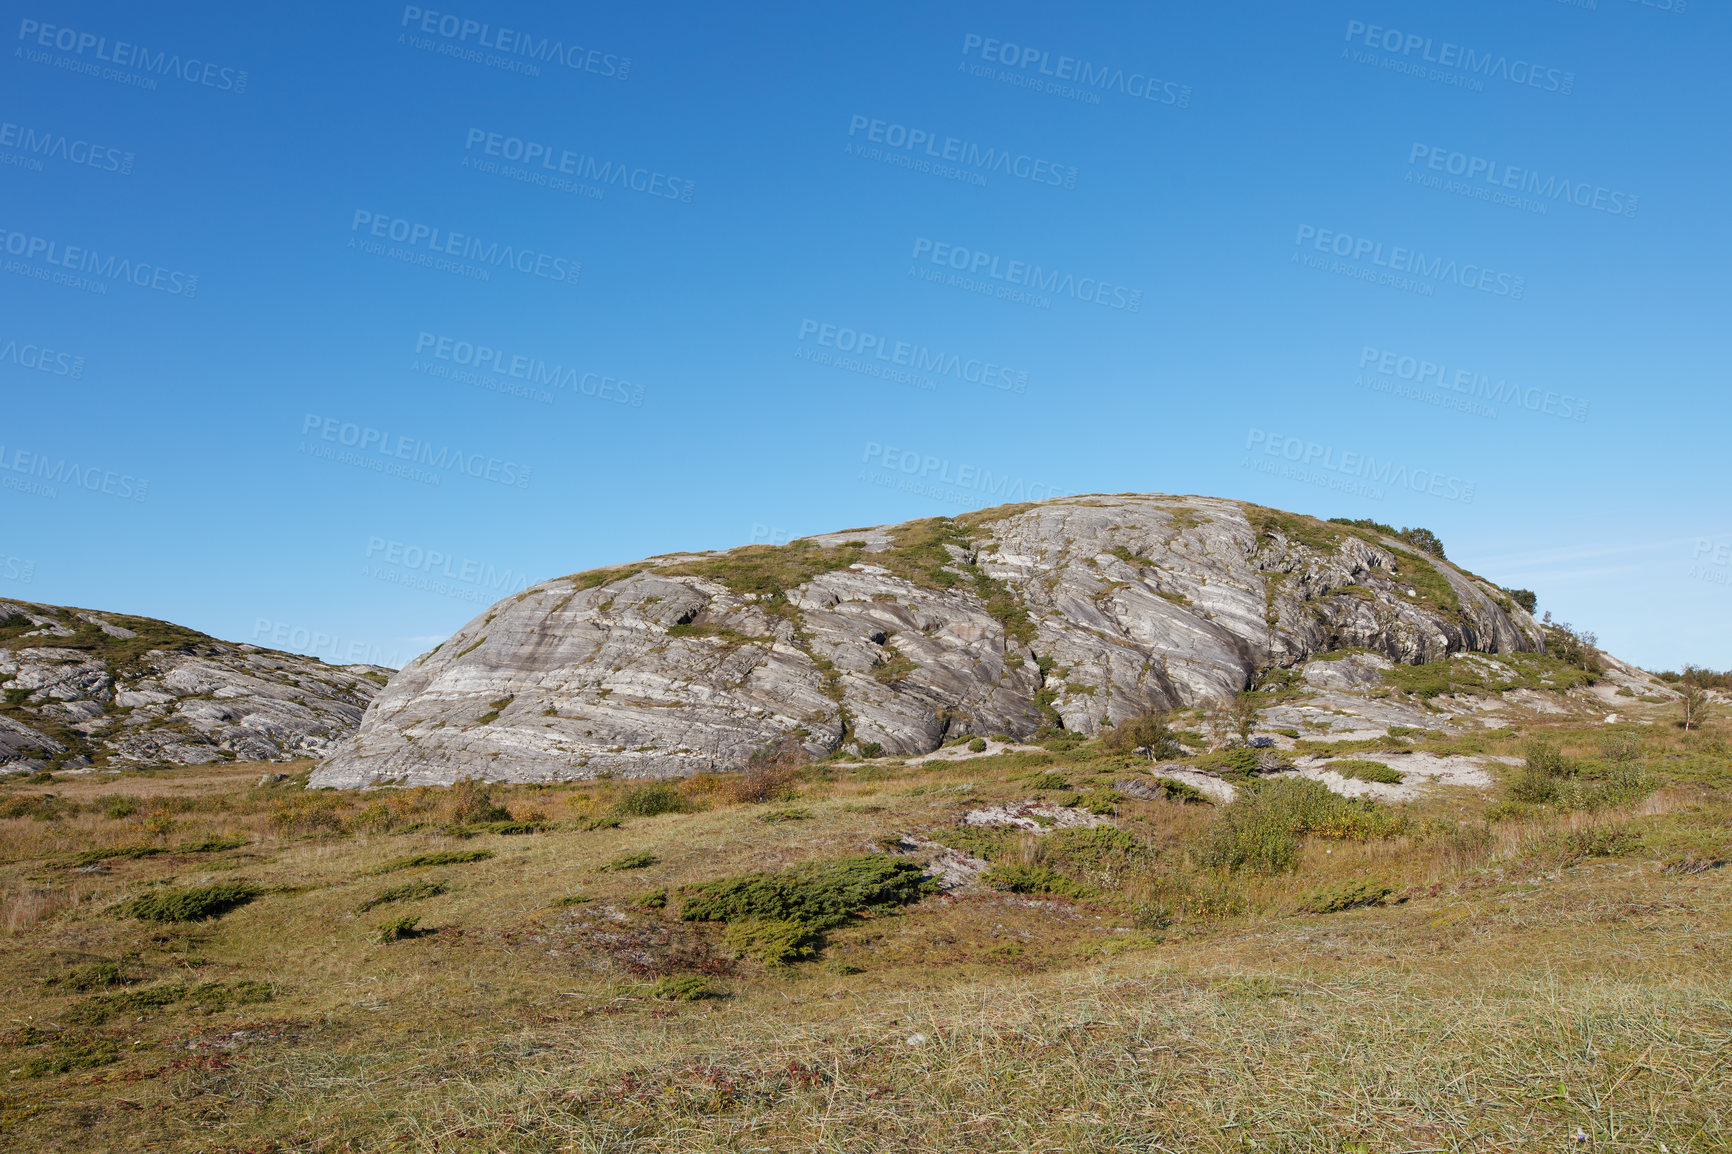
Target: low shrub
977	841
96	976
1260	831
1048	781
779	917
1346	895
777	816
69	1057
652	801
774	941
310	815
977	745
412	891
685	988
631	861
192	903
437	858
207	996
770	774
399	929
1102	802
1364	769
472	803
36	806
1237	761
1017	878
1602	841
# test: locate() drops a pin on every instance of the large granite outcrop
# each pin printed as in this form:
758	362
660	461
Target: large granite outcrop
1064	613
83	688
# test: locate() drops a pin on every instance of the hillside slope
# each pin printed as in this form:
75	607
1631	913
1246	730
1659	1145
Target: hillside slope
84	688
1066	613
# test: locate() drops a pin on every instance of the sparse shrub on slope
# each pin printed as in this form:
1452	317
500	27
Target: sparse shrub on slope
472	804
777	916
652	801
770	773
1260	831
192	903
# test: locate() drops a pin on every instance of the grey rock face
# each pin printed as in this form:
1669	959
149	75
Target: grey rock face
83	689
1070	612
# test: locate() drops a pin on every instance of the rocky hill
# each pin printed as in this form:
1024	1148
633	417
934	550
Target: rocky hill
107	689
1010	621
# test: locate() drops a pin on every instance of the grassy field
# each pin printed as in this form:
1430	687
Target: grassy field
1545	967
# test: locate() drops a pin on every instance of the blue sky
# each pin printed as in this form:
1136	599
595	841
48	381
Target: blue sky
486	295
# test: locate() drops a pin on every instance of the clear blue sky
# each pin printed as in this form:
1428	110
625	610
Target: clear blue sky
753	276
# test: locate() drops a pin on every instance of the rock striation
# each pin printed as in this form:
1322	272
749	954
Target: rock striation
1064	614
105	689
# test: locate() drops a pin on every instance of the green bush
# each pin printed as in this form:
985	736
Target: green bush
437	858
1242	761
773	941
978	745
654	900
822	894
1364	769
207	996
398	930
1249	838
1531	786
977	841
1017	878
1048	781
631	861
70	1057
412	891
192	903
1259	831
1102	802
1346	895
1624	784
685	988
1093	851
96	976
652	801
1602	841
472	801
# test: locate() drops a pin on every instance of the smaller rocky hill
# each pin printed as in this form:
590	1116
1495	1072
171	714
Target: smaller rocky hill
82	688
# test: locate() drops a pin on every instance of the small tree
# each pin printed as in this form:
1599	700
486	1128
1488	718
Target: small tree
1148	733
1526	598
1243	715
1219	722
1693	696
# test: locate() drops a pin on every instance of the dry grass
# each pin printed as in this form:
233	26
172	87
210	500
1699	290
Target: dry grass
1541	975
